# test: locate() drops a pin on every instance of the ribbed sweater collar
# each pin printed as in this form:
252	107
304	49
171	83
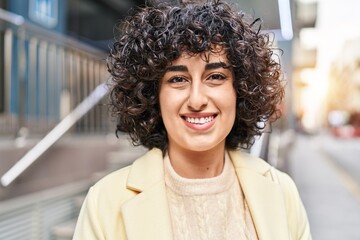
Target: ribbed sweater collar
203	186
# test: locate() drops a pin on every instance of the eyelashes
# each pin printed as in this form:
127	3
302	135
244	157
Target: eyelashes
217	76
177	79
182	79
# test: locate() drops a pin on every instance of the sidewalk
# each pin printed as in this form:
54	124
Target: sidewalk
319	166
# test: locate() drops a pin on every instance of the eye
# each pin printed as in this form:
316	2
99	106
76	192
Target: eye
217	76
177	79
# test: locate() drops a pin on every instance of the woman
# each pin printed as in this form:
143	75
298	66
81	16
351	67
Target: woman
193	84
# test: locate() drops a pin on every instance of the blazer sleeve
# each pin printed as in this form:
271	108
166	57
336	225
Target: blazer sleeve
297	217
88	226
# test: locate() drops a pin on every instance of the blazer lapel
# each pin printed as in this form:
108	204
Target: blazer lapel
146	216
263	195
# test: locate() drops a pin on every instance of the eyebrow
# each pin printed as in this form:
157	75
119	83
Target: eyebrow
177	68
209	66
215	65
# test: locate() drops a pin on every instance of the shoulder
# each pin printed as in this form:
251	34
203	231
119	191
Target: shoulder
245	161
260	167
101	213
296	214
110	193
121	185
99	217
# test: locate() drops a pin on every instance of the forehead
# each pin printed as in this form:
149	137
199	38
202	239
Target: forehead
213	55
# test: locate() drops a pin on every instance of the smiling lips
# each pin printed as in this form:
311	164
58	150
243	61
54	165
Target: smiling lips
199	122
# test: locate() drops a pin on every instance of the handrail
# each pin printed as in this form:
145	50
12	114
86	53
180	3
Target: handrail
11	17
19	21
54	135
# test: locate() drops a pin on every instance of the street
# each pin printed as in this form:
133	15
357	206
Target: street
327	173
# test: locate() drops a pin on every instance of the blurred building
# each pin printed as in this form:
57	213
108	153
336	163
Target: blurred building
326	56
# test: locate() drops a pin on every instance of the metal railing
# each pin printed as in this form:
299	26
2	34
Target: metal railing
34	216
49	83
43	76
54	135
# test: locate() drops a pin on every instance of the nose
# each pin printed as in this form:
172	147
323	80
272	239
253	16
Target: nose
198	98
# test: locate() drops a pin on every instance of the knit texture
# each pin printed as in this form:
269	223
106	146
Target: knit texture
210	208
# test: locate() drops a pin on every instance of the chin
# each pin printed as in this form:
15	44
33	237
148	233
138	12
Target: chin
201	147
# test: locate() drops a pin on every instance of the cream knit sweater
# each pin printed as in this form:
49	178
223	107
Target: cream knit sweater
208	209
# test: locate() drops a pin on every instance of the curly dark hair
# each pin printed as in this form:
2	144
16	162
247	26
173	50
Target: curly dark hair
153	37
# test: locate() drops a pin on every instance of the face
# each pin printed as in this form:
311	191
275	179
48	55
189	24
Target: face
198	102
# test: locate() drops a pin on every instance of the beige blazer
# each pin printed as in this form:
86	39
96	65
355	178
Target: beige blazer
131	203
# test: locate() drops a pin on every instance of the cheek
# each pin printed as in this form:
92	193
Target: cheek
167	102
170	99
228	98
162	100
229	104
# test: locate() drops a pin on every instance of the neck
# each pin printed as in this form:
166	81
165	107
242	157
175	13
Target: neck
193	164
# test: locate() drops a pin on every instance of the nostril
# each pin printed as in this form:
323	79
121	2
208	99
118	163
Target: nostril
197	104
197	108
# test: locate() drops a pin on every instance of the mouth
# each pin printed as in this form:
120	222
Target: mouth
199	120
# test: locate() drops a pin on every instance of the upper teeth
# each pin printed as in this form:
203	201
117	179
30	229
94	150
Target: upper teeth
199	120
